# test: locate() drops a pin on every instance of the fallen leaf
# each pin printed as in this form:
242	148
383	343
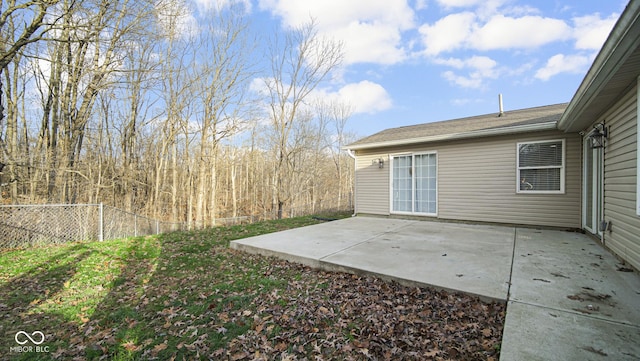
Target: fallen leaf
130	346
159	347
432	353
239	356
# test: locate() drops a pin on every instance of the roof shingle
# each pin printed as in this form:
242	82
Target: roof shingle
522	117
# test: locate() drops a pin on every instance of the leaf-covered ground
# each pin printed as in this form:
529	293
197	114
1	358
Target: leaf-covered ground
186	295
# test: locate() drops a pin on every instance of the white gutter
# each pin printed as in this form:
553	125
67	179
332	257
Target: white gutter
455	136
350	153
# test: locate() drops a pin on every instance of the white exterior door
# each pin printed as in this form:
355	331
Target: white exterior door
593	188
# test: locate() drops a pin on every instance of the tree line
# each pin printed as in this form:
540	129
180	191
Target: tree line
138	104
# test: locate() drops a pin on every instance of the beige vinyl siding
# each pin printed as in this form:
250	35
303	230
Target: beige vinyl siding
372	184
477	182
620	179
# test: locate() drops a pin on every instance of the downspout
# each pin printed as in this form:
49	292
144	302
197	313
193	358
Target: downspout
355	205
604	225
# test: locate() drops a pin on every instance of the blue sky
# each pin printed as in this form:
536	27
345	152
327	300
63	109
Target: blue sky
417	61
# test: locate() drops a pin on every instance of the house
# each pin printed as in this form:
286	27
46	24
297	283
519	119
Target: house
569	166
606	106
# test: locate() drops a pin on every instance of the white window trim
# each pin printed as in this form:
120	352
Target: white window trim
413	194
562	167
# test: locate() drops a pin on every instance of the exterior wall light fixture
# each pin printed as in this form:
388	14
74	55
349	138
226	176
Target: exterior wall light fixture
598	136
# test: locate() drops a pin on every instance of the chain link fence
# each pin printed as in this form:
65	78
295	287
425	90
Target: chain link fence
27	225
325	206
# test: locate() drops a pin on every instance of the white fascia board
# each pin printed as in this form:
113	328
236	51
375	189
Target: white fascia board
455	136
621	42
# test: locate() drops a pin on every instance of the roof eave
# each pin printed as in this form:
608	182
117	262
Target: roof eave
616	49
455	136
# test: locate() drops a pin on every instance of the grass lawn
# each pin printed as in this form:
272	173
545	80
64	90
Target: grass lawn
186	295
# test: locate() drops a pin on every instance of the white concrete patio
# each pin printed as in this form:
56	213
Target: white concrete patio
566	297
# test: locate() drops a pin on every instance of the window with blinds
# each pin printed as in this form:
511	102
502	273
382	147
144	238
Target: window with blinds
541	167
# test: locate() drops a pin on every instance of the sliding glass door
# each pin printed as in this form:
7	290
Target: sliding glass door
402	185
414	183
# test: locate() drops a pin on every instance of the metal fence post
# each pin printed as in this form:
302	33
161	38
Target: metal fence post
101	222
157	226
135	225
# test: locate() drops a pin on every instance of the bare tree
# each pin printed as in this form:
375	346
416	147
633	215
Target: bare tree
339	113
83	59
30	15
139	104
139	76
178	47
32	31
299	62
222	82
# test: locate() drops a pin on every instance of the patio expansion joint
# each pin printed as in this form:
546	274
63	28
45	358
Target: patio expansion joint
513	254
574	313
322	259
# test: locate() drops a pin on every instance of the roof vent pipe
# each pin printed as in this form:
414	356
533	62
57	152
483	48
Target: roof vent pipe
500	105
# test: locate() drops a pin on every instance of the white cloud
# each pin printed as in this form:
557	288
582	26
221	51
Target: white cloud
480	68
366	42
370	30
591	31
526	32
462	81
332	14
421	4
465	31
475	62
259	86
482	63
482	8
459	3
365	97
448	33
560	63
220	4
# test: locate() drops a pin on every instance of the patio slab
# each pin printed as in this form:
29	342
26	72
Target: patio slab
543	334
308	245
567	297
469	258
570	301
